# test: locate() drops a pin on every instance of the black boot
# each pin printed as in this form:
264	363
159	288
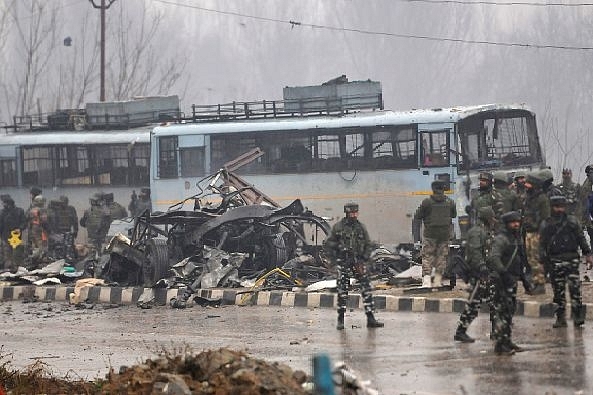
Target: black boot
579	317
340	325
560	322
372	322
462	336
503	349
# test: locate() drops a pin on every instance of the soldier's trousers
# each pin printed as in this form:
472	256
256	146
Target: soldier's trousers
345	272
532	250
434	254
504	301
470	312
566	272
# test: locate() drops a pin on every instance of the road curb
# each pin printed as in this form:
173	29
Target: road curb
131	295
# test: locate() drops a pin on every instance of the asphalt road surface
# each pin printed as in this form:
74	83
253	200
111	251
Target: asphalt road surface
413	354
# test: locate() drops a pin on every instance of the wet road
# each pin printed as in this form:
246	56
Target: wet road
413	354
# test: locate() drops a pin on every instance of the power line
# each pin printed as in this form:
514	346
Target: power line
499	3
385	34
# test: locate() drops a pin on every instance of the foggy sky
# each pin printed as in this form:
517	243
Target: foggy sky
233	57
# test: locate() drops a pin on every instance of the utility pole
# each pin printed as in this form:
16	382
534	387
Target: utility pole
103	7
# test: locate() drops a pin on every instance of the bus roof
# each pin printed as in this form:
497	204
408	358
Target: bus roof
61	137
360	119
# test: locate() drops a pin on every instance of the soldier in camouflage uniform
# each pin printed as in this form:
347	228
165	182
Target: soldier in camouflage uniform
64	229
96	220
505	199
477	247
485	198
348	246
116	210
519	188
38	229
561	236
570	190
506	265
537	208
436	213
585	193
139	204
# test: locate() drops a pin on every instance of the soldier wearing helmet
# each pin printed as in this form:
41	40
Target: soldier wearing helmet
477	247
570	190
536	209
96	220
505	199
38	229
435	213
562	237
506	265
484	197
348	246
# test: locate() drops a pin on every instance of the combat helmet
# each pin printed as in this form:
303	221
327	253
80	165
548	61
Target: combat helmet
500	176
351	207
39	201
486	214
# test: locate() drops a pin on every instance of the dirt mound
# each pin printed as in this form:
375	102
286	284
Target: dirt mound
220	371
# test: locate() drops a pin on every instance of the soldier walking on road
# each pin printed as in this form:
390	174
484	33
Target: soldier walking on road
537	208
38	229
436	213
478	245
116	210
570	190
96	220
561	236
349	247
506	266
485	198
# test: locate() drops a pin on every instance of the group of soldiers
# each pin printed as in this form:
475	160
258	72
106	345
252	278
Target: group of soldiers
49	230
525	229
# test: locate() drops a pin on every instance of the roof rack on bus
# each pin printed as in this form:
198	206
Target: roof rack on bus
313	106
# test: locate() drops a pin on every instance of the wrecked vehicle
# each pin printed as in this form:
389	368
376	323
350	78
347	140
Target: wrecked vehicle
228	215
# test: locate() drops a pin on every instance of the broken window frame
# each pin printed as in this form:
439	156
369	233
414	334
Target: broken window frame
497	139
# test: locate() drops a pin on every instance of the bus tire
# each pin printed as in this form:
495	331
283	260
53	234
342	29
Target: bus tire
156	265
276	252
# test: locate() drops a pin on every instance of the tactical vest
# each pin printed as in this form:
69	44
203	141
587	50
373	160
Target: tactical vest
440	213
351	237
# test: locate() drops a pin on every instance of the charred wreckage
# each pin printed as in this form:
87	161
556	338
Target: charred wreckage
229	234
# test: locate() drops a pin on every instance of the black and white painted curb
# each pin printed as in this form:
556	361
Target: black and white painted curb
162	296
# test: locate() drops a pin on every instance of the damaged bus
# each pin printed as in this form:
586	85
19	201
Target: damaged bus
384	160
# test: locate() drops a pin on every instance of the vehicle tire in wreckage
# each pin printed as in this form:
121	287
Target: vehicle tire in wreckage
276	253
156	265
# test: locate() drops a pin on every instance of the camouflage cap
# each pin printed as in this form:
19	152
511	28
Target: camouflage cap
351	207
520	174
438	185
484	175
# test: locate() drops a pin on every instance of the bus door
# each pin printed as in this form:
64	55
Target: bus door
436	147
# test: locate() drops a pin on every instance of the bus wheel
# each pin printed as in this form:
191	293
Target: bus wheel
156	265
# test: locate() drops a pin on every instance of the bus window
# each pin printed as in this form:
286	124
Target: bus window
394	148
139	162
435	148
167	157
192	161
73	165
505	138
38	166
8	172
112	165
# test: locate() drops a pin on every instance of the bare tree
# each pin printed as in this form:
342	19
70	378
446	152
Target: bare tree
139	67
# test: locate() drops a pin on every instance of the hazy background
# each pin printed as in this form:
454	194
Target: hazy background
426	54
